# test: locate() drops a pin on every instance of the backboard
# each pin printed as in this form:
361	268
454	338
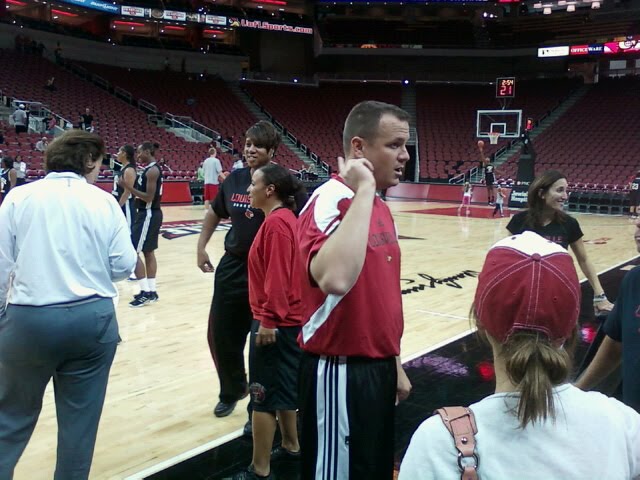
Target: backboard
507	122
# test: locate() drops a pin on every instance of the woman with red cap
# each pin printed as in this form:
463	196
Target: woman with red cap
536	424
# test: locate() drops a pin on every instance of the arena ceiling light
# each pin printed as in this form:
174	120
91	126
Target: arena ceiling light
571	7
595	5
546	11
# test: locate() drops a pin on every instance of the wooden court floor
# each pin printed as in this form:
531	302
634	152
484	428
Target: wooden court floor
163	386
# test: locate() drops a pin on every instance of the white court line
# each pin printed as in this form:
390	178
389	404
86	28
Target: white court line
447	315
444	343
185	456
615	266
237	434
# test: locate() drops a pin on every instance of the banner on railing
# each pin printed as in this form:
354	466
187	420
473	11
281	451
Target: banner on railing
214	20
630	44
264	25
95	5
174	15
132	11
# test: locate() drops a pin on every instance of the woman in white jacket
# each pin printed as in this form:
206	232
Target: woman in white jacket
63	242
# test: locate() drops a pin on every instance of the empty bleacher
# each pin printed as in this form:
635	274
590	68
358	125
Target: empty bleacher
595	142
116	121
447	121
316	115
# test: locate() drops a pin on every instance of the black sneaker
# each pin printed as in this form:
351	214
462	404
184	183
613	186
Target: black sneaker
250	474
281	454
153	297
139	300
223	409
247	430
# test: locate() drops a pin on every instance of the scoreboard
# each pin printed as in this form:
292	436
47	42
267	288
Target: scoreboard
505	87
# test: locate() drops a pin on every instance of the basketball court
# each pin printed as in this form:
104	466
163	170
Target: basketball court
162	389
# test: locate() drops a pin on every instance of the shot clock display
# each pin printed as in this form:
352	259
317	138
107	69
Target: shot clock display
505	87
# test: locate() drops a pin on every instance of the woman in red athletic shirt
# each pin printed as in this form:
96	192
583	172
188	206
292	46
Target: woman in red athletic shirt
276	303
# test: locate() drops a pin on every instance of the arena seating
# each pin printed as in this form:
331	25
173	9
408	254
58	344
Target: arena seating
389	31
315	115
116	121
558	29
206	100
594	143
447	121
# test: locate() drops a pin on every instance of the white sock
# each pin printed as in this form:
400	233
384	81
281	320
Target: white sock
144	284
152	284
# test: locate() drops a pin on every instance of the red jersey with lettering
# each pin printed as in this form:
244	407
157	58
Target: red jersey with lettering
368	320
274	272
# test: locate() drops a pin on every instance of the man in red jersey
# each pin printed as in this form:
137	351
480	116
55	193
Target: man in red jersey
350	374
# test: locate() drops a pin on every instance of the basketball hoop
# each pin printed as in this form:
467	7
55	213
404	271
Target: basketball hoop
493	137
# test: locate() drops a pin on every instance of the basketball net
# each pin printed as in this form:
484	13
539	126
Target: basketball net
493	138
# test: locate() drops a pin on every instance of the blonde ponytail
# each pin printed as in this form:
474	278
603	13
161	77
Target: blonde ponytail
535	366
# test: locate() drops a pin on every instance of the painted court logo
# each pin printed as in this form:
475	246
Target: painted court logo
173	230
412	286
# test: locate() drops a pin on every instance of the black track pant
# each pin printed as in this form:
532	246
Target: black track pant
229	324
347	407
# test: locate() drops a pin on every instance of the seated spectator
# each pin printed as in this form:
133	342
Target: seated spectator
51	84
42	144
237	162
527	304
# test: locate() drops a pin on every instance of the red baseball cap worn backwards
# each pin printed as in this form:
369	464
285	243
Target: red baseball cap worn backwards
528	283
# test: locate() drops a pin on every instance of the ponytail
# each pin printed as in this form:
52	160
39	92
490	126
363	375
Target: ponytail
286	185
534	365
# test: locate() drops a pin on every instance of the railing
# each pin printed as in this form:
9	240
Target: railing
39	113
458	179
83	72
198	131
100	81
155	118
123	94
147	106
61	123
301	146
413	134
34	108
286	78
